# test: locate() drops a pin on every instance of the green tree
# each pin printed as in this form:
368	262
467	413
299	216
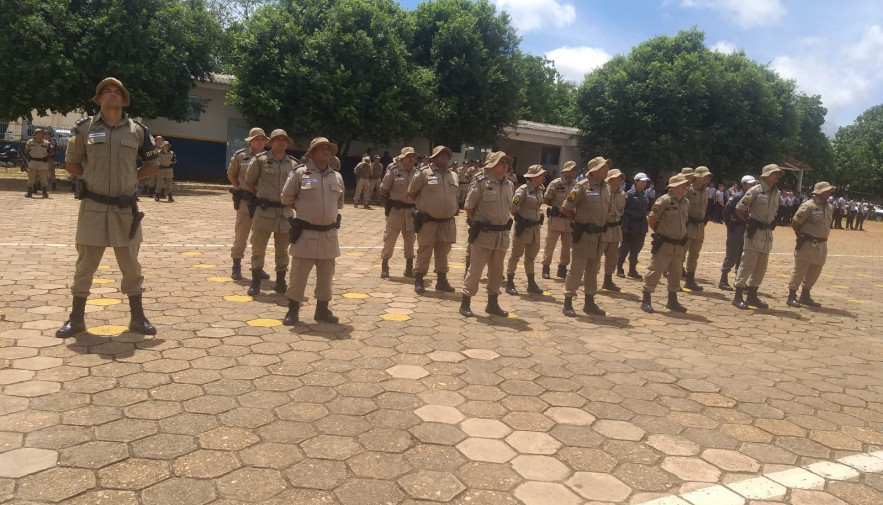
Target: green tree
811	145
858	153
548	98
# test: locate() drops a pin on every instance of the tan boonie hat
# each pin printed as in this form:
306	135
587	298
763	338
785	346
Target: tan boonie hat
366	159
597	163
496	157
406	151
687	171
254	133
279	132
535	171
821	187
701	172
39	130
438	150
677	180
569	166
116	82
613	174
770	170
166	143
321	141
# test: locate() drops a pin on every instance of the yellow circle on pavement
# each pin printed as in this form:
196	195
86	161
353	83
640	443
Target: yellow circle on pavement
238	298
395	317
219	279
107	330
265	323
191	253
101	302
356	295
355	254
203	265
101	281
840	287
103	267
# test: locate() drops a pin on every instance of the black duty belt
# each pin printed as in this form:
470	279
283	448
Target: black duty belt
39	159
612	224
398	204
265	203
121	201
162	166
695	220
436	219
675	241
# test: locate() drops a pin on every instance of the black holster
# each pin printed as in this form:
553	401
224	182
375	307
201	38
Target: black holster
553	212
803	238
387	206
580	228
299	225
252	207
419	219
522	223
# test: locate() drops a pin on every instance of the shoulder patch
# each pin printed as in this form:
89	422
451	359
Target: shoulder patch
572	196
656	207
799	213
516	199
745	201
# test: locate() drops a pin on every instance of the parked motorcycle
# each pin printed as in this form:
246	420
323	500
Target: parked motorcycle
12	155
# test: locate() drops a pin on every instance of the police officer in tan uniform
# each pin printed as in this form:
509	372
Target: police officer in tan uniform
668	220
400	210
315	191
697	194
612	235
166	173
150	182
376	177
488	205
463	179
435	191
558	227
362	172
102	151
758	209
257	141
266	175
811	223
587	204
37	150
525	206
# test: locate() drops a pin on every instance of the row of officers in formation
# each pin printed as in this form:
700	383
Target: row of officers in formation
297	203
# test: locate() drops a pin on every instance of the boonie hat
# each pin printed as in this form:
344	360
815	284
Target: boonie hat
321	141
166	143
596	164
821	187
254	133
496	157
771	169
749	179
116	82
677	180
535	171
687	171
39	130
569	166
279	132
641	176
613	174
701	172
438	150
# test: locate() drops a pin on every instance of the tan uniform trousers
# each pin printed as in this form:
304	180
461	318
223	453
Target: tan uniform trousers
391	235
752	269
88	259
241	230
611	257
805	273
464	188
669	258
300	273
528	244
429	245
585	271
259	240
151	181
481	257
363	191
375	190
694	245
38	170
164	180
551	241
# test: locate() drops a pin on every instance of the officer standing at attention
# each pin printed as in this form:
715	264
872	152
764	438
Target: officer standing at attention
362	172
266	175
376	177
164	177
634	225
525	206
612	235
399	210
758	209
735	233
812	224
463	179
588	204
150	183
315	191
558	227
668	220
257	142
435	191
37	150
488	205
697	194
103	151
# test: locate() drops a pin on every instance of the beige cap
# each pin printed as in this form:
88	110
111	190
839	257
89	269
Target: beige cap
613	174
438	150
771	169
279	132
39	130
687	171
116	82
821	187
166	143
701	172
321	141
496	157
406	151
569	166
535	171
254	133
677	180
597	164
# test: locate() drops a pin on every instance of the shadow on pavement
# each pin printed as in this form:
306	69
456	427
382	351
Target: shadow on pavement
113	347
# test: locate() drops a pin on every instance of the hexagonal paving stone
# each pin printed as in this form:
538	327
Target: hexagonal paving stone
619	430
20	462
227	439
440	414
673	445
485	428
133	474
569	415
545	493
407	372
386	440
731	461
55	484
178	492
251	484
368	492
483	354
379	465
599	486
533	442
543	468
93	454
435	486
271	455
483	449
163	446
205	464
317	474
331	447
691	469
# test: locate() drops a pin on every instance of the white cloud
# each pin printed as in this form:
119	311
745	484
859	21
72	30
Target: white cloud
722	46
869	50
530	15
575	62
840	86
749	13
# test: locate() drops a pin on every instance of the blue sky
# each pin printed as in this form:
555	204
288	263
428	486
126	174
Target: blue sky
830	48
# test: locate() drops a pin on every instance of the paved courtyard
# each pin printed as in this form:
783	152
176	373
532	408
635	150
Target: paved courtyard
407	402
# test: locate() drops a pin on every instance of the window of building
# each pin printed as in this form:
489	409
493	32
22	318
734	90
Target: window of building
194	104
550	155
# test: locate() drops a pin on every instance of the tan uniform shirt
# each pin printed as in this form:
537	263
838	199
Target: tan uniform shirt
491	200
463	175
614	215
268	176
814	217
239	165
590	202
556	193
317	196
761	202
376	170
526	202
166	160
363	170
671	216
397	180
109	154
36	149
698	205
436	192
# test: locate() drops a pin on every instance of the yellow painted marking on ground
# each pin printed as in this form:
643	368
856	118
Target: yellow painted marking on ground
512	315
457	267
849	266
355	254
863	275
101	302
101	281
878	285
395	317
265	323
191	253
204	265
108	330
547	293
784	276
103	267
453	295
219	279
378	265
860	302
827	275
837	286
238	298
356	295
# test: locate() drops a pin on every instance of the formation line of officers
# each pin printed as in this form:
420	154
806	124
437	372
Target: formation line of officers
297	203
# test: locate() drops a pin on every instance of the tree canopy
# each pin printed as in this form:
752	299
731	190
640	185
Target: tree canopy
858	153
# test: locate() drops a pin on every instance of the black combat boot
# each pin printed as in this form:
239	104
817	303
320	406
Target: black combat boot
589	307
691	282
645	303
493	306
292	316
465	309
738	302
419	288
170	197
510	285
562	271
792	299
139	323
156	196
619	271
151	191
146	191
323	313
568	307
54	186
236	272
753	300
807	300
76	322
547	272
281	285
45	192
532	286
673	304
409	267
442	284
609	285
633	272
263	275
255	288
30	192
724	283
384	268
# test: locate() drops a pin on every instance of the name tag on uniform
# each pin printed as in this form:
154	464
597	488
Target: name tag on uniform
400	178
432	180
307	183
761	195
93	135
532	196
816	212
591	193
